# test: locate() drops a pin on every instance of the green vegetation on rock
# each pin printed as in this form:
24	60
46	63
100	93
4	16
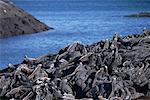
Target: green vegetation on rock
142	14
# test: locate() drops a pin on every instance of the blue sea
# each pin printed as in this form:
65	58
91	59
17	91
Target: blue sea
87	21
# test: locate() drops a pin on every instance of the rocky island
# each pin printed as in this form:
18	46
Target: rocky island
115	69
15	21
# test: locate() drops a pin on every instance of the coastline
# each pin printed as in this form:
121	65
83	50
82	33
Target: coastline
117	68
84	72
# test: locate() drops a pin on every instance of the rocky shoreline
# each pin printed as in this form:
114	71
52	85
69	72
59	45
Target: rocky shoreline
116	69
15	21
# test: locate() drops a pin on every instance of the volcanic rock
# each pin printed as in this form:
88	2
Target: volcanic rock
107	70
15	21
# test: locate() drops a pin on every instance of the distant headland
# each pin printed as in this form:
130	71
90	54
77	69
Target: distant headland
15	21
141	14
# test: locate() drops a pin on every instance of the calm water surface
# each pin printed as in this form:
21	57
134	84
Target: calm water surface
87	21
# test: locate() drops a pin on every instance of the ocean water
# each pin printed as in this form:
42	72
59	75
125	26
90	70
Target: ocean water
87	21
